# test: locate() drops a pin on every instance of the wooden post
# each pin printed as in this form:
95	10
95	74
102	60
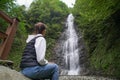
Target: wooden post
5	17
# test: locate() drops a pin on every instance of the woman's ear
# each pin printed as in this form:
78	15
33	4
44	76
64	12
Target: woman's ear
44	32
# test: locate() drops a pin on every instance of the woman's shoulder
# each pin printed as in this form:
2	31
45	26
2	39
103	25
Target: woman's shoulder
30	37
40	38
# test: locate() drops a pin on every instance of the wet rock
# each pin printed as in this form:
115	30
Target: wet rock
85	78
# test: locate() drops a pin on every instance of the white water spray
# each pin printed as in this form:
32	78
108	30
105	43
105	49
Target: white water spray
70	48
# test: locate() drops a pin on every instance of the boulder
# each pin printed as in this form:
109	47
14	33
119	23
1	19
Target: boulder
9	74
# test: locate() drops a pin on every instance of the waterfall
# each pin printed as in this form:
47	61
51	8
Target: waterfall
70	48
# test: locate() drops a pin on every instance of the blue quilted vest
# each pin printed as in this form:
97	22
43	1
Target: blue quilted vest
29	55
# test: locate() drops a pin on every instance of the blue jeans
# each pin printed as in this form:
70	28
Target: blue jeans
48	71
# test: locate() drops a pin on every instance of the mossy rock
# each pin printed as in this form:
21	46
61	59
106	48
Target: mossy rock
7	63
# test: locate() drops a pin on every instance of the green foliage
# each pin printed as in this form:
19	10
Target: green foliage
94	10
6	4
99	21
53	13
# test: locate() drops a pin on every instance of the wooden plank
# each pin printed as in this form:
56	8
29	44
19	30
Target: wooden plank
3	35
6	17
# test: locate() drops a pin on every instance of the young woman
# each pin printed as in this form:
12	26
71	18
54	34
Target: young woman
33	63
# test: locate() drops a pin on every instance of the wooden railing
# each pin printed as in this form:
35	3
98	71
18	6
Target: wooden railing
7	36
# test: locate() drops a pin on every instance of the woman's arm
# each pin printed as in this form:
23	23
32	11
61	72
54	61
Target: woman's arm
40	47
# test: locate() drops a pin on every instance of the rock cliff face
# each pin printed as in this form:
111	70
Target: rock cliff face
9	74
59	52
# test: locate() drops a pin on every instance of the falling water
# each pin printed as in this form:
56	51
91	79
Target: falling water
70	48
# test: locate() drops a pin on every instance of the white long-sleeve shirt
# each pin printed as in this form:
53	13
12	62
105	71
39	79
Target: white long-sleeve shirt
40	47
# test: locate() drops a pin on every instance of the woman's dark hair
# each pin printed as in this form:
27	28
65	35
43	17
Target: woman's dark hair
39	27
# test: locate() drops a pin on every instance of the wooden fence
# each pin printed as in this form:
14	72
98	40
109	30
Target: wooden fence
7	36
